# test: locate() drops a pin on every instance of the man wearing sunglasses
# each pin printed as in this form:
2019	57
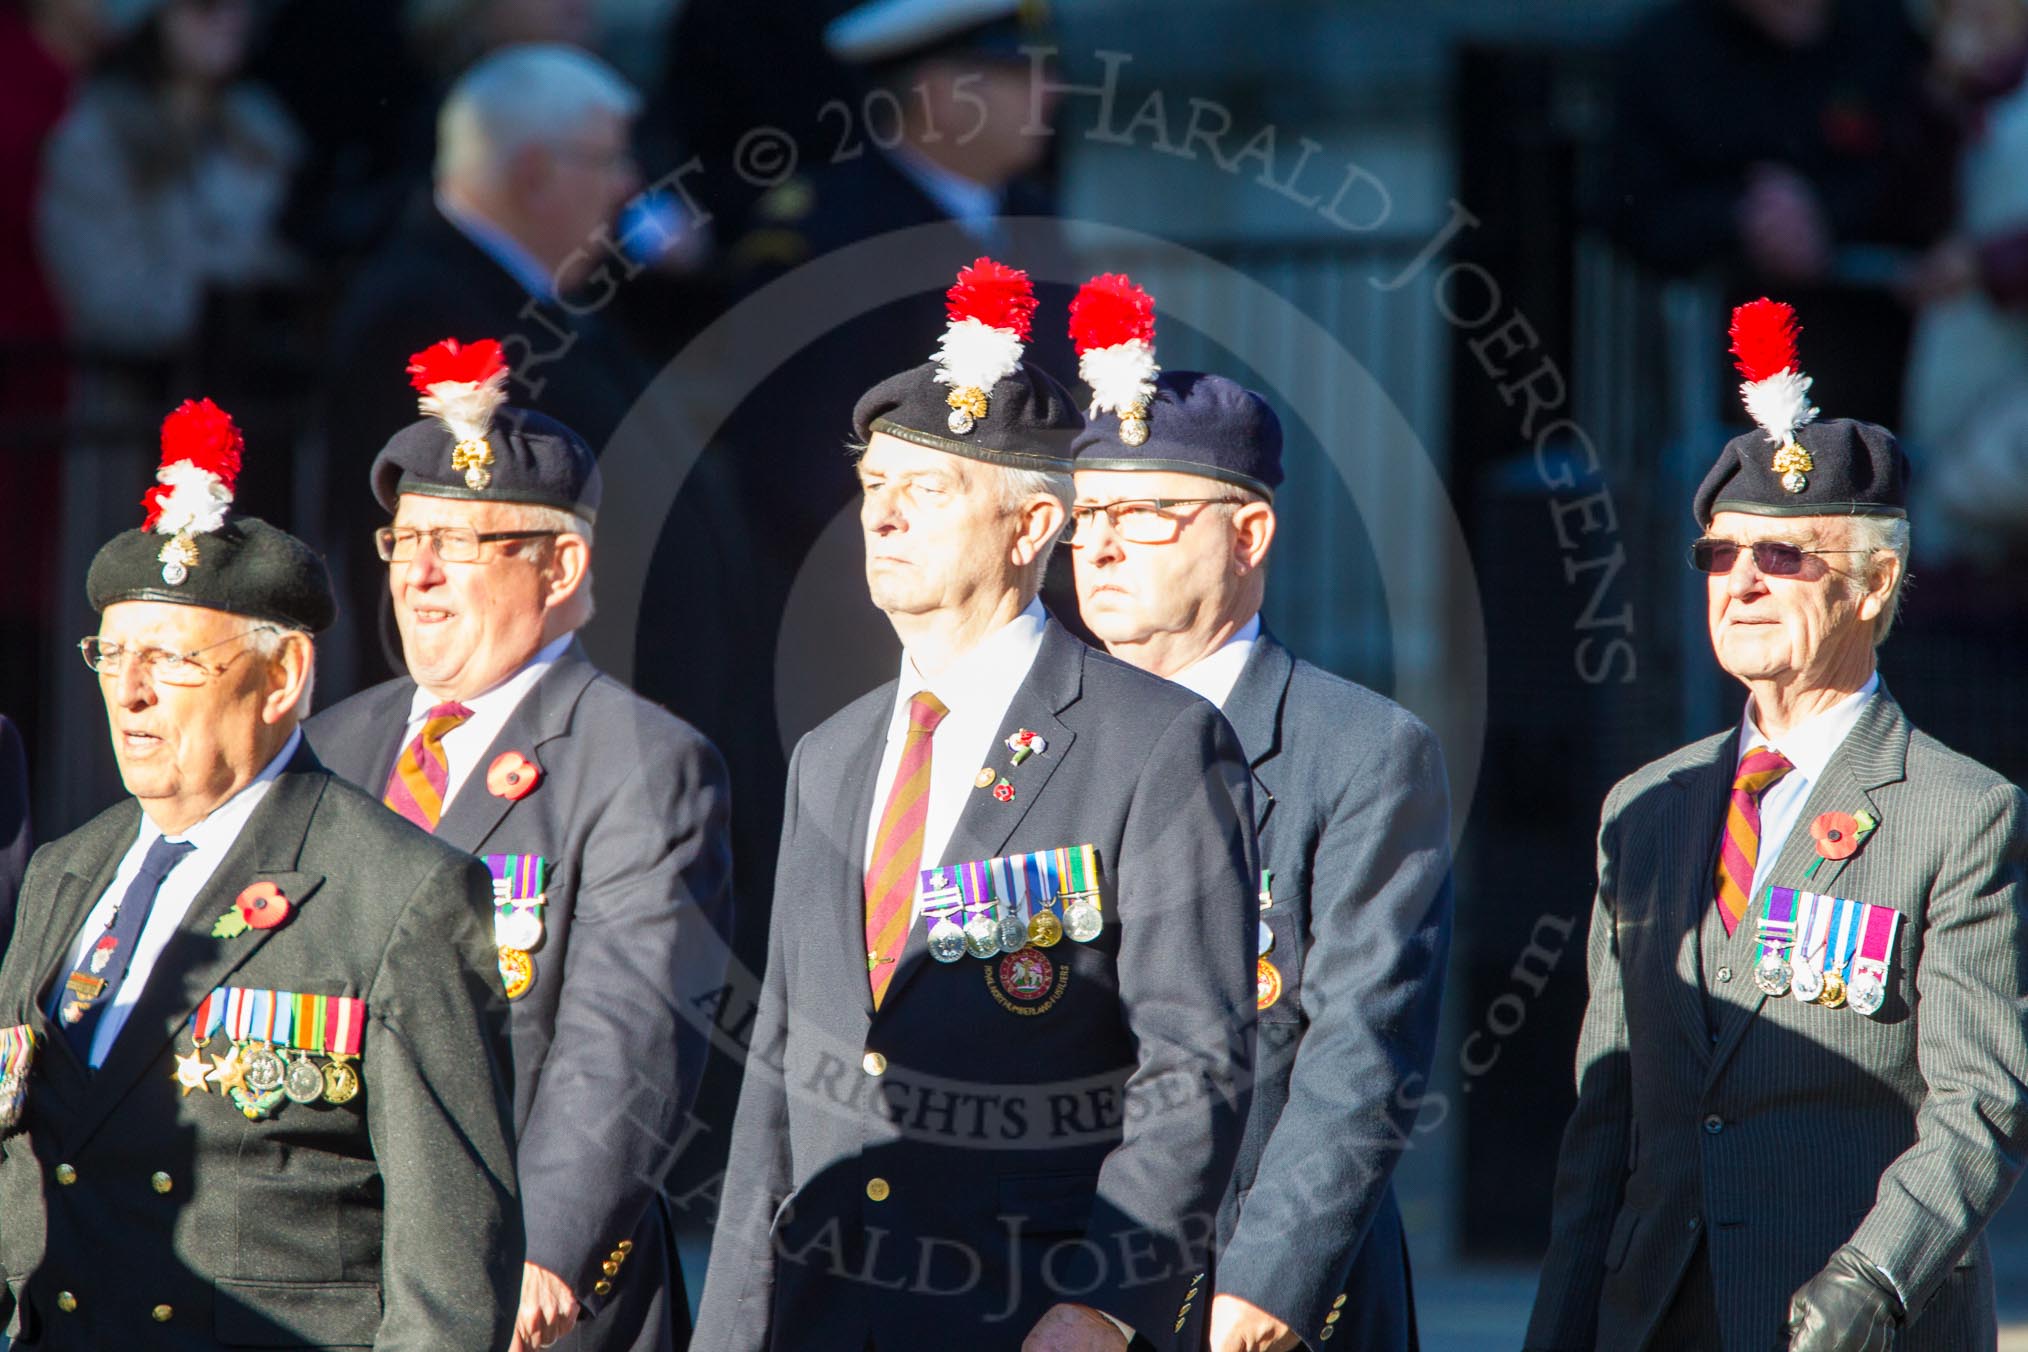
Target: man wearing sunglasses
253	1051
1173	531
603	819
1799	1072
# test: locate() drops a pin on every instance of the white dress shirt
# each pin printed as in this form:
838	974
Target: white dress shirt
464	744
1214	674
211	837
977	688
1809	747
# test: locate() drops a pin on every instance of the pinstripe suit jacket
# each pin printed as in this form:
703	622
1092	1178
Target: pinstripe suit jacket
1795	1128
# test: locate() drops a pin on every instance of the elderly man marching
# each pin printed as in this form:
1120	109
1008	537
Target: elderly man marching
254	1088
1175	480
601	817
998	1074
1799	1077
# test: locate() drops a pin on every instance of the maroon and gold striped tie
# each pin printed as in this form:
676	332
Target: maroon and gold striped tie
897	848
416	788
1739	851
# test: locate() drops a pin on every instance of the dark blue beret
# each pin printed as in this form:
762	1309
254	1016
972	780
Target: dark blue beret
245	567
535	459
1857	469
1030	421
1196	424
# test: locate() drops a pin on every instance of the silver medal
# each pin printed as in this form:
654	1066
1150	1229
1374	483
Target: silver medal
1082	922
265	1071
1773	974
1267	939
946	941
982	937
1808	984
1867	993
1013	932
304	1082
518	927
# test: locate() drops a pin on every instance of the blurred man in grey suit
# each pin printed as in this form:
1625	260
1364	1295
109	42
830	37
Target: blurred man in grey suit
603	819
1799	1076
1174	524
998	1074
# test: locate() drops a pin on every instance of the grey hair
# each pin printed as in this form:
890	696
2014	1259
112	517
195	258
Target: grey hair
1018	487
1877	535
530	94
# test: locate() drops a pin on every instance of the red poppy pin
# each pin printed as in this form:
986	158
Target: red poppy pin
1838	835
259	906
512	776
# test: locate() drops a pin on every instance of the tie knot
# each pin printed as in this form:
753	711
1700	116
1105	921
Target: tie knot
163	856
449	710
925	711
1760	768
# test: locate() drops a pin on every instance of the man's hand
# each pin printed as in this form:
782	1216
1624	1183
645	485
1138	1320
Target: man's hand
1073	1328
1848	1307
1240	1326
548	1310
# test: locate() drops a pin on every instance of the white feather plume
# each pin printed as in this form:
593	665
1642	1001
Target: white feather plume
1779	404
196	500
1122	377
973	355
466	406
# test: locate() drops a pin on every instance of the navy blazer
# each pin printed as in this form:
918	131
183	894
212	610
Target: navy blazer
630	812
940	1172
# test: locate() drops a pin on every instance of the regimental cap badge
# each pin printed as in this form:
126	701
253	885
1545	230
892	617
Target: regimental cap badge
1775	390
990	308
1112	325
462	386
201	449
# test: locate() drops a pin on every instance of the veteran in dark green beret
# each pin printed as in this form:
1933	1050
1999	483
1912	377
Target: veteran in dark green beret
253	1082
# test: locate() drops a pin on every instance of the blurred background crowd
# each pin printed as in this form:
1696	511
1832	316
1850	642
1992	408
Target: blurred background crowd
1523	220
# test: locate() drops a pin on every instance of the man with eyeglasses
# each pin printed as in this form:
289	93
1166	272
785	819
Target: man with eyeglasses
253	1047
1799	1074
602	818
1174	523
997	1077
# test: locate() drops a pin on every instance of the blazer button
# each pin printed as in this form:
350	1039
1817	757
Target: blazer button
1714	1124
161	1182
1328	1330
1695	1222
625	1246
66	1302
162	1314
610	1267
877	1189
66	1175
1339	1303
618	1255
1725	974
602	1287
875	1063
1334	1316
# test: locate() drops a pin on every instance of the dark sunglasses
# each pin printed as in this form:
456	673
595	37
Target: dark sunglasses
1769	556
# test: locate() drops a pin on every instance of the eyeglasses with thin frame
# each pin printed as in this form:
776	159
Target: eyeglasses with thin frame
1139	521
451	544
160	665
1776	558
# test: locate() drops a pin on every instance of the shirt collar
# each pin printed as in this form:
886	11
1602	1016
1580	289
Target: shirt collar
504	693
987	676
1810	745
972	205
501	247
222	826
1213	675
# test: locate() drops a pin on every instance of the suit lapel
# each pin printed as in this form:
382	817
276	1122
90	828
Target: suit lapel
76	893
269	847
986	824
1255	711
1688	842
543	715
1873	754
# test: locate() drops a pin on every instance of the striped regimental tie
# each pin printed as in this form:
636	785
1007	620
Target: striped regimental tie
1739	851
416	788
897	849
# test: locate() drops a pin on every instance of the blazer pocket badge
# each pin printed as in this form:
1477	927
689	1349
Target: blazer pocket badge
1824	950
518	905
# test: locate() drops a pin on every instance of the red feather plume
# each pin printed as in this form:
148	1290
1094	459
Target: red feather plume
1109	310
453	362
204	434
996	295
1764	334
152	501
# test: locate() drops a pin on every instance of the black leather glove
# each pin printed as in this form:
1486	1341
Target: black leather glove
1848	1307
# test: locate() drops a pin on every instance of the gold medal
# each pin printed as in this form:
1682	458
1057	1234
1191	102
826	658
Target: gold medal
1267	984
517	972
985	778
1834	991
1044	929
341	1081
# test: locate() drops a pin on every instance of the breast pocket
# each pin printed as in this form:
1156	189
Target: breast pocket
297	1314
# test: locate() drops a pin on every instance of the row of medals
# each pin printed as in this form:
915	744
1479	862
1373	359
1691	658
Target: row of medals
270	1076
1775	975
984	937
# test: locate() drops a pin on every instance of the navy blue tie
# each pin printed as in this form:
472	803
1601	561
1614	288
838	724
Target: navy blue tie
89	990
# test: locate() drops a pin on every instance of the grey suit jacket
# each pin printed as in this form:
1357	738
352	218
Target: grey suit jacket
1353	814
1797	1128
940	1172
630	813
387	1222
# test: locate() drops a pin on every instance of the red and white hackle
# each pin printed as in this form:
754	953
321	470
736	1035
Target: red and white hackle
1112	325
1775	391
193	488
462	386
991	307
